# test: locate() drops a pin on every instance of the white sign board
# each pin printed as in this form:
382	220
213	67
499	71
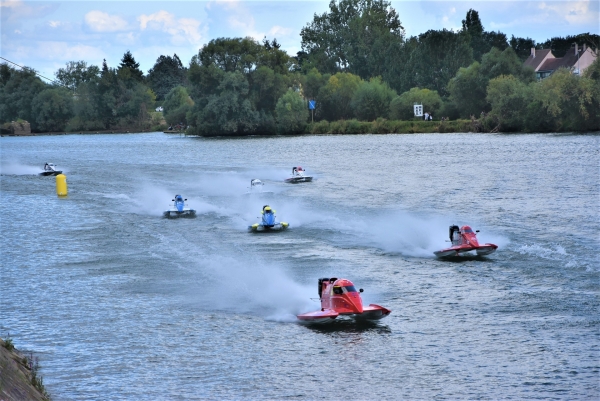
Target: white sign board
418	110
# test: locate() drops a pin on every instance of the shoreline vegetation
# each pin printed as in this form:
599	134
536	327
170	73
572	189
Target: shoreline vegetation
19	377
357	73
343	127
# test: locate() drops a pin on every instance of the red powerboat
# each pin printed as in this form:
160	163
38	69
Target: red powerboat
464	240
298	175
340	297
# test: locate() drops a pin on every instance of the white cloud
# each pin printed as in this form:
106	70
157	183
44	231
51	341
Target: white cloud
182	30
128	39
280	30
54	24
574	12
103	22
48	51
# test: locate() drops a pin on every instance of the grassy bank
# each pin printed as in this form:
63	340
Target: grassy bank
19	378
382	126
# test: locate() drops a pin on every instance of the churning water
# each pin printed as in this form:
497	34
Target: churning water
122	304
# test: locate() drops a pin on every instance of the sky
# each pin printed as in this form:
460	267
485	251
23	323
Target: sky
45	35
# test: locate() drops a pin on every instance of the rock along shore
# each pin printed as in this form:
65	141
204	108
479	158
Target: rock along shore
18	376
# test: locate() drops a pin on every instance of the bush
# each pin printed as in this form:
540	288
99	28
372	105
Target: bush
402	107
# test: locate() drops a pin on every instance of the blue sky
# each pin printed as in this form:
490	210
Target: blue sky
45	35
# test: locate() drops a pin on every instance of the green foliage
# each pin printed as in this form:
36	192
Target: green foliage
382	126
129	69
76	73
593	71
336	96
509	98
569	101
522	46
468	89
354	36
560	46
229	112
402	107
176	105
167	73
17	91
372	99
436	58
8	342
496	63
481	41
292	113
268	86
52	109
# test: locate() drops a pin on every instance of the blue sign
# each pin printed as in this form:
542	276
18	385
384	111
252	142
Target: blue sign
312	104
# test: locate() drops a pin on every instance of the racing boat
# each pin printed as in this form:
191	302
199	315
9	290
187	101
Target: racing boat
298	175
179	209
268	222
464	240
340	297
50	169
256	187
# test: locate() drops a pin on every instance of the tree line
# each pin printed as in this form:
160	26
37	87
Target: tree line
356	64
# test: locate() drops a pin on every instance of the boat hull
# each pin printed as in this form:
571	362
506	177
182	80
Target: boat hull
173	214
263	228
296	180
47	173
482	250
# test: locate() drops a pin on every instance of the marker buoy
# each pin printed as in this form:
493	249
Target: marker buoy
61	185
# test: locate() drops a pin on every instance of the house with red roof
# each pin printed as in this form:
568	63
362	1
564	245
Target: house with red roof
576	60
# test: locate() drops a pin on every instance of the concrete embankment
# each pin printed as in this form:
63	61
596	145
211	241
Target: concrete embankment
19	379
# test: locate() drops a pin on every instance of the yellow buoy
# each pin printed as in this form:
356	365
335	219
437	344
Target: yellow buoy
61	185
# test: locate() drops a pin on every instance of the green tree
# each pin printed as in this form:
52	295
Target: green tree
336	96
372	99
469	87
229	112
561	45
52	109
292	113
17	91
167	73
522	46
509	98
402	107
76	73
496	63
267	87
468	90
354	36
568	101
436	57
129	69
480	40
176	105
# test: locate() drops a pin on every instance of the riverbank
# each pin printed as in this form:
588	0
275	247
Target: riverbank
19	378
382	126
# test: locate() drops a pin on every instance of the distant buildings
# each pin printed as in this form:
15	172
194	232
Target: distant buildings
544	63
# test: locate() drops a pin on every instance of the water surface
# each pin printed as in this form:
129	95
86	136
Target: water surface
122	304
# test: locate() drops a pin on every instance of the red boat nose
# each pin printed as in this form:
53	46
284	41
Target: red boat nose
353	298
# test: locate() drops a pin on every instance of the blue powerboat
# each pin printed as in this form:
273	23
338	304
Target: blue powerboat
268	222
179	208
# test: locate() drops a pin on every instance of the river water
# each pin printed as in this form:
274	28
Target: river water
119	303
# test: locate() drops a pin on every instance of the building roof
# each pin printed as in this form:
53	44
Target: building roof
540	56
553	64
